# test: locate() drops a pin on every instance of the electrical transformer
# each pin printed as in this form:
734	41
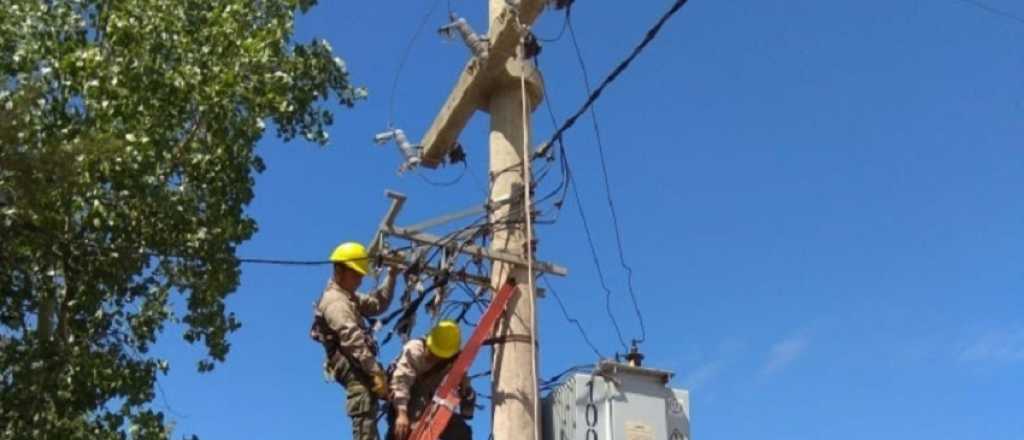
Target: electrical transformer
617	402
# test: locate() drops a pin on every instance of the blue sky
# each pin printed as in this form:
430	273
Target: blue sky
820	200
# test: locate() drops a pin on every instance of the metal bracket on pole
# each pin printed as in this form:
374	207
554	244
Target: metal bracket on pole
410	153
448	218
459	215
477	251
387	228
477	44
397	201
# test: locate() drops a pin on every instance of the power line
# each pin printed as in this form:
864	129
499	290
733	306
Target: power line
605	178
284	262
561	32
569	181
993	10
563	186
573	321
651	33
596	260
553	380
454	181
405	57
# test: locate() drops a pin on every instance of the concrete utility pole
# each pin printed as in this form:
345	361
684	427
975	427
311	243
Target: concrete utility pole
495	85
514	385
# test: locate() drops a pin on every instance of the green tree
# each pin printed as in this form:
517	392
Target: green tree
128	130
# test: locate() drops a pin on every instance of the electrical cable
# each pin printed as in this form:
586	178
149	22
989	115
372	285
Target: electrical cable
606	179
559	376
284	262
596	260
574	321
528	213
406	312
621	67
561	32
405	57
453	182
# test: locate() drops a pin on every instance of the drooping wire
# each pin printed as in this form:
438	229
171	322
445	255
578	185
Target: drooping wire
453	182
406	312
405	57
553	380
284	262
569	184
605	178
561	32
621	67
563	183
485	188
593	254
571	320
479	375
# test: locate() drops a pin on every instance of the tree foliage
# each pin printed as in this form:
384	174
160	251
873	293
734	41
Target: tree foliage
128	131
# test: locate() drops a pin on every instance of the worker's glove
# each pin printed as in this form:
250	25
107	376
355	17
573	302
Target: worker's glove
380	385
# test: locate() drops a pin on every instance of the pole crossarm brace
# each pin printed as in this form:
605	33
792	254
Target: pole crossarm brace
476	251
515	197
388	228
399	261
479	76
447	218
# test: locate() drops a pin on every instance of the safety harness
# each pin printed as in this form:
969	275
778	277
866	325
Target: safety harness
321	332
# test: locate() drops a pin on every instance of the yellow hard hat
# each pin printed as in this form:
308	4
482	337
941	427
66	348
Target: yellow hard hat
353	255
444	339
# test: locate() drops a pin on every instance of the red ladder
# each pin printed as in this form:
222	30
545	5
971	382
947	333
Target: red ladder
446	398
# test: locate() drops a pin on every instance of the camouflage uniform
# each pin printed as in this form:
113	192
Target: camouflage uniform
414	380
340	325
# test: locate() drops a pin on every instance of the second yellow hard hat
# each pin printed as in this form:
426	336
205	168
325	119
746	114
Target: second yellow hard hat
444	339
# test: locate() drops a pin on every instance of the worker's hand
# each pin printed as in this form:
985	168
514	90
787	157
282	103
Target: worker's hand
380	385
466	410
402	425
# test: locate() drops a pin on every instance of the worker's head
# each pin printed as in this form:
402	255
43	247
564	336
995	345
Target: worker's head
444	339
351	263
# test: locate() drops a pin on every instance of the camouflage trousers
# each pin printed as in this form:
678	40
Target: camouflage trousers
360	404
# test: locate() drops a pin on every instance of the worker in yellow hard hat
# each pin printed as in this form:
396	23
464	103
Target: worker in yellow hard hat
340	325
418	372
